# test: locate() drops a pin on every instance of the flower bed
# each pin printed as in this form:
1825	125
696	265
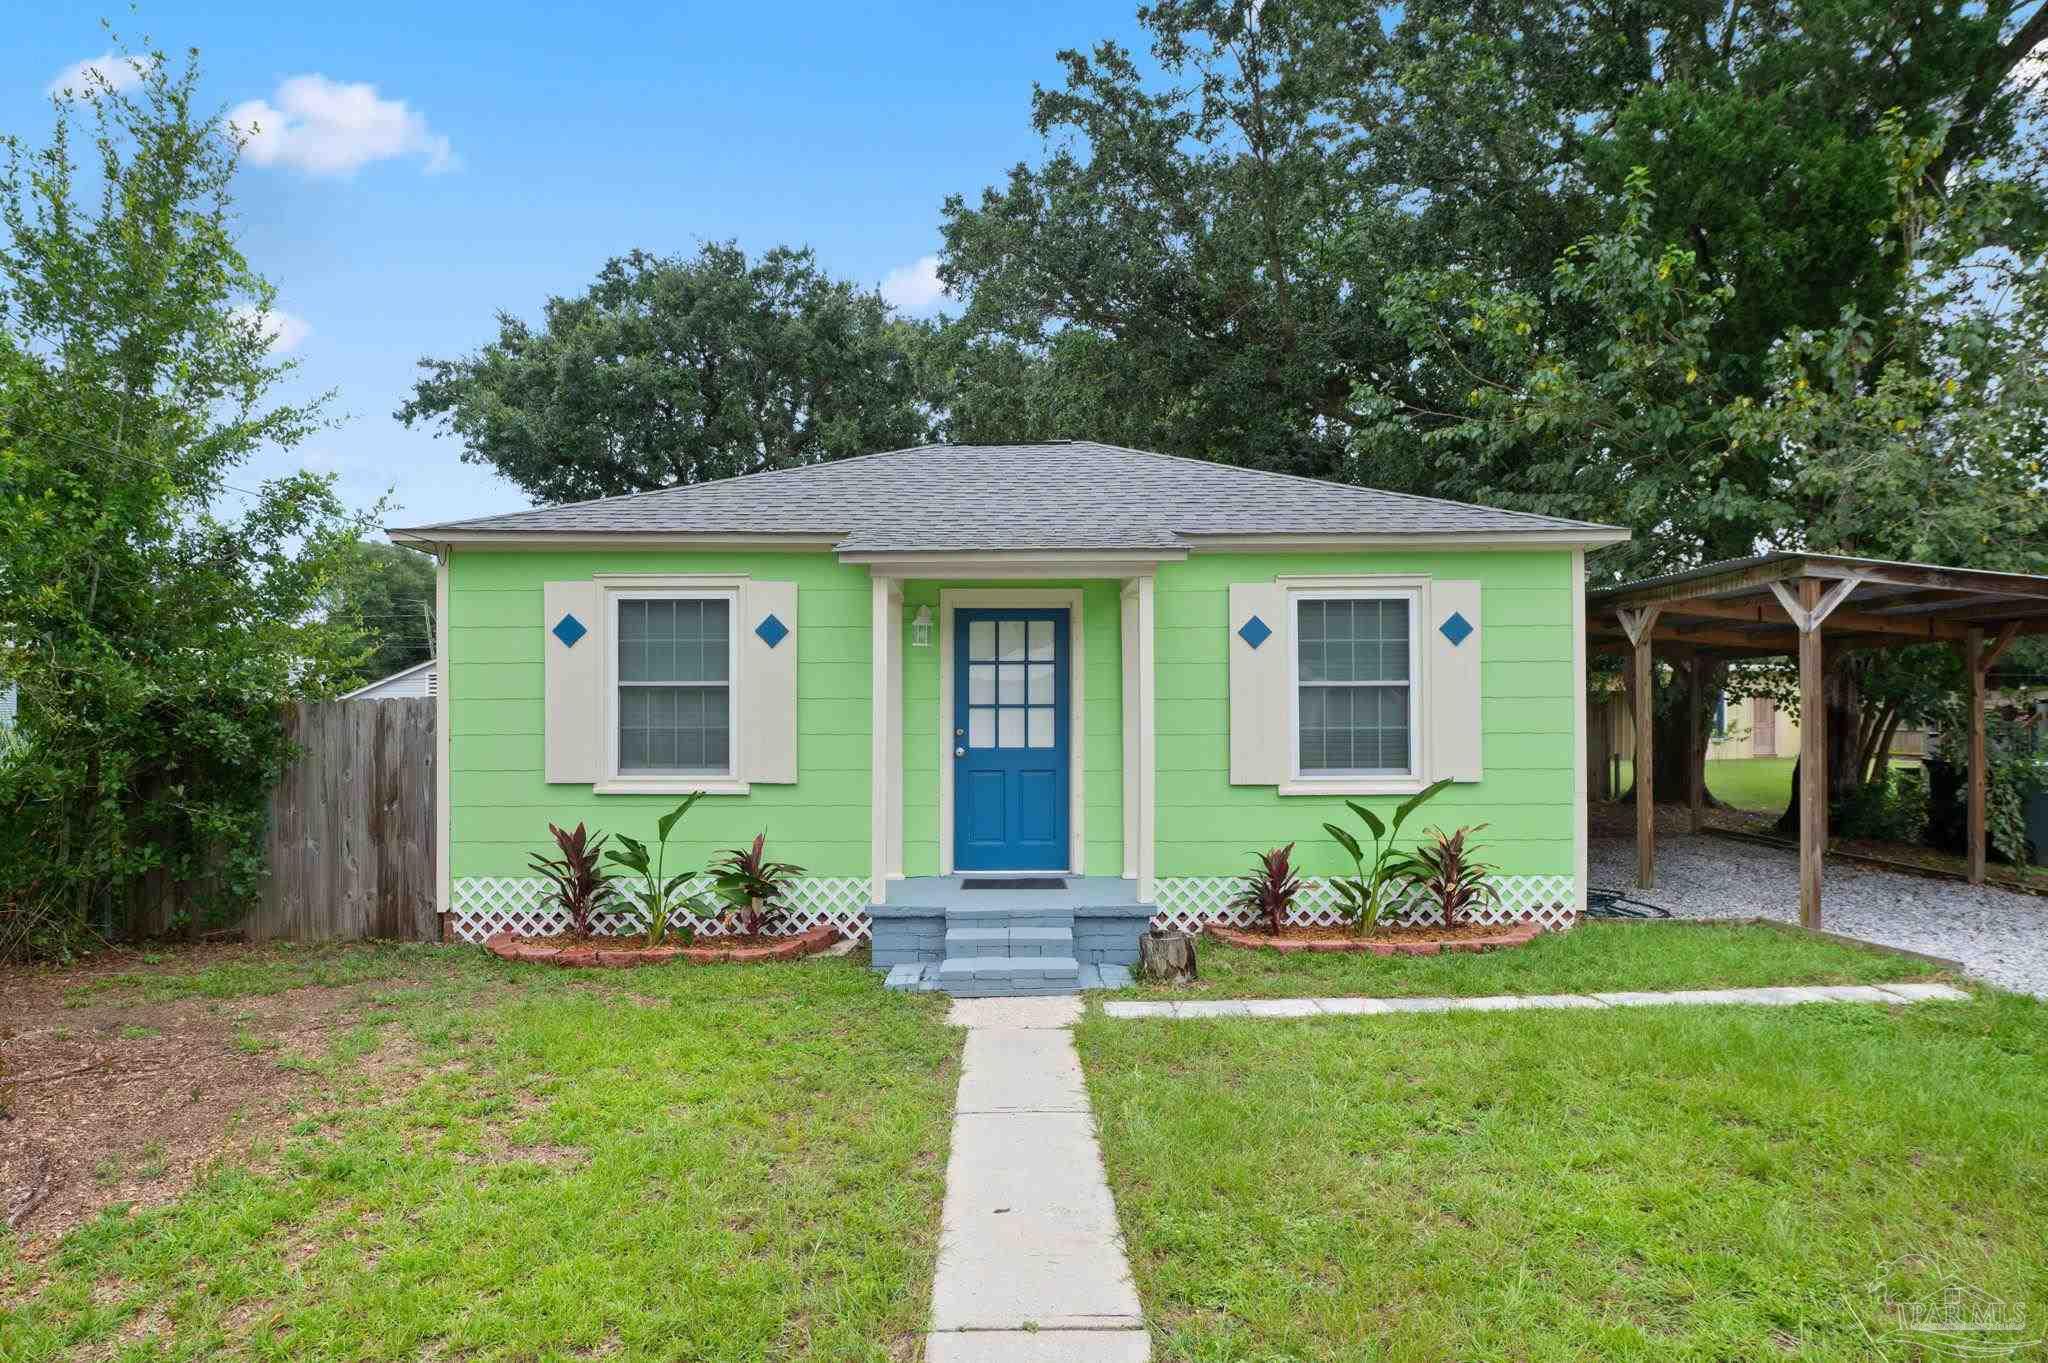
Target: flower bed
623	952
1417	941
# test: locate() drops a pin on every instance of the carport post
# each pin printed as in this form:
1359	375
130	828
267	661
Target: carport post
1696	769
1813	758
1973	663
1639	625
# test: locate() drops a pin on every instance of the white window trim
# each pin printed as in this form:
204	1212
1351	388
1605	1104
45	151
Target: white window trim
630	587
1413	590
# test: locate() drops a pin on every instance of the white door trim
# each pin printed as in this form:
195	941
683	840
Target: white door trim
952	599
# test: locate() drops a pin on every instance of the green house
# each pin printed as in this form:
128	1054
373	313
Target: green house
1063	659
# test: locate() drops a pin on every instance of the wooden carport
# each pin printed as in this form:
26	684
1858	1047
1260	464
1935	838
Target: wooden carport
1813	607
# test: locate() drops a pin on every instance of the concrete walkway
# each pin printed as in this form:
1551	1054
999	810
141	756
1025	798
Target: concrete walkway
1031	1265
1305	1008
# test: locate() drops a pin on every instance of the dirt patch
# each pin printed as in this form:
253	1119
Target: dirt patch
127	1101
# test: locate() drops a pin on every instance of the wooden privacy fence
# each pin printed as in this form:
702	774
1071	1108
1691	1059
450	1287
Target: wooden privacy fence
351	843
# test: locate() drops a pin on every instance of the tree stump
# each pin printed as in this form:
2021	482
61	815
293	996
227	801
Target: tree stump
1166	957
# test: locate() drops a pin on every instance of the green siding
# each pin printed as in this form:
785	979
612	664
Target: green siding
1102	720
1208	827
1205	826
501	806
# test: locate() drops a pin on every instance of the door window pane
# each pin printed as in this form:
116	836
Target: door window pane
981	640
981	728
981	684
1039	729
1010	637
1041	640
1010	728
1041	689
1010	684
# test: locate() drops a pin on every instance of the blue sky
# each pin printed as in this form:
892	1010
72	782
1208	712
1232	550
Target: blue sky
435	163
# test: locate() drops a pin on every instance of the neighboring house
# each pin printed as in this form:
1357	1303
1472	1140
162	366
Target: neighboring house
421	679
1753	726
1061	657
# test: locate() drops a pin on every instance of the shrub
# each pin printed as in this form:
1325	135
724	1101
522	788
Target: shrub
580	883
751	883
653	895
1893	810
1270	891
1449	874
1362	898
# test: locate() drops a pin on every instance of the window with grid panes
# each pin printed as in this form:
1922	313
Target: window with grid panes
675	686
1011	684
1354	679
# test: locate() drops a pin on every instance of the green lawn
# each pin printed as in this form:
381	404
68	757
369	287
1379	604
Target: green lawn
1762	784
1665	1185
515	1162
1594	956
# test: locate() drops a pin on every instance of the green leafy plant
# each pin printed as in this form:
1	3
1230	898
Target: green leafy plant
1363	897
1447	870
580	883
655	894
1270	890
749	882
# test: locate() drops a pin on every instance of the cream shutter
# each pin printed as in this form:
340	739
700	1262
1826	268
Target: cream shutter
572	681
766	714
1453	679
1260	745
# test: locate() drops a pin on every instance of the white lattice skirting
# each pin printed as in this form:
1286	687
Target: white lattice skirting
483	905
1193	901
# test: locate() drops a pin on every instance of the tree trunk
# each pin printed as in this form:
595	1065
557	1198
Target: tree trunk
1844	770
1674	756
1166	957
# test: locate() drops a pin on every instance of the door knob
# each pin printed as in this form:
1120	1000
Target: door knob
959	752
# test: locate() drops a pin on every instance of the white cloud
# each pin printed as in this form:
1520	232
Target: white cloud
121	72
285	330
914	287
326	127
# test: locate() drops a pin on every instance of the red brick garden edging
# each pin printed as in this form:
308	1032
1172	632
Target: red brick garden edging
1519	935
509	946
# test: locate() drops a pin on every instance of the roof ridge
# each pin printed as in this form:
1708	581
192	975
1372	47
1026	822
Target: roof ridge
1330	483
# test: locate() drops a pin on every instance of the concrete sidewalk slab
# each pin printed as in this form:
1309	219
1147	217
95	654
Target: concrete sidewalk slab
1040	1346
1018	1069
1768	996
1062	1010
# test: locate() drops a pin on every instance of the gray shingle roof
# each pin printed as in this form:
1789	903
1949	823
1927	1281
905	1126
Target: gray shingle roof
1058	495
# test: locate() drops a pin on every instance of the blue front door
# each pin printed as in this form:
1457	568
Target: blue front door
1010	690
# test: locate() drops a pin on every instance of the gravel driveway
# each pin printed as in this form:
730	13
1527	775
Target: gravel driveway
2001	936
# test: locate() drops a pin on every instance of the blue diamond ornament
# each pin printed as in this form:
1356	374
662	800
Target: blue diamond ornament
1255	631
569	629
1457	629
771	630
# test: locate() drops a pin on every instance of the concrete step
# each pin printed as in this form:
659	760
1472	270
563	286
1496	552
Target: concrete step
986	976
996	916
1007	941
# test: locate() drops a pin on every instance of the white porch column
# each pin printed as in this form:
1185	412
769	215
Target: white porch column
1141	749
885	806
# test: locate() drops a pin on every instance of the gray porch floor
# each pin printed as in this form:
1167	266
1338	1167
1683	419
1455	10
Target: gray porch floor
944	892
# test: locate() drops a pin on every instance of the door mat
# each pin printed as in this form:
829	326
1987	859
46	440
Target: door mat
1014	883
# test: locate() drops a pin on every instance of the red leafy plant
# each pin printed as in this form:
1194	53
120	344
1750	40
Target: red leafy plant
580	883
744	878
1447	870
1271	889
